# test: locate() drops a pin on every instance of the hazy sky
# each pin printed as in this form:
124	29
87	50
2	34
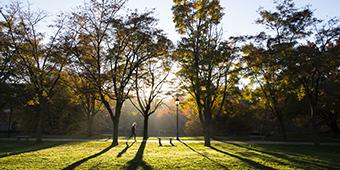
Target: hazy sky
238	20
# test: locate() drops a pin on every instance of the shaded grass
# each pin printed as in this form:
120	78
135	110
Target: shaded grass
101	155
138	161
14	148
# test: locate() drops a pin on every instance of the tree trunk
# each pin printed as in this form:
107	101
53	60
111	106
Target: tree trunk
145	130
115	131
282	126
39	126
115	122
315	126
334	126
278	114
207	135
89	126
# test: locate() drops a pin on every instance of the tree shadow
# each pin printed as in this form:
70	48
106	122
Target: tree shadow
248	161
78	163
32	147
138	161
280	155
297	162
125	149
222	166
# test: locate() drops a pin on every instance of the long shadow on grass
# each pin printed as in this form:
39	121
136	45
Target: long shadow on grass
297	162
32	147
222	166
78	163
125	149
248	161
138	161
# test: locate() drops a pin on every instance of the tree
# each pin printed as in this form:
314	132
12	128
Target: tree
88	98
40	63
263	70
204	59
285	63
108	49
6	54
90	36
7	68
329	108
149	80
313	65
137	41
285	26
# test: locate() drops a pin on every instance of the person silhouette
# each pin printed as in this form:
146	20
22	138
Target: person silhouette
133	131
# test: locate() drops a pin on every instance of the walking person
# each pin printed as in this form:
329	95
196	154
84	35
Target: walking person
133	131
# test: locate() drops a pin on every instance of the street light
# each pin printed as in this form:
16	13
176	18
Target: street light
177	103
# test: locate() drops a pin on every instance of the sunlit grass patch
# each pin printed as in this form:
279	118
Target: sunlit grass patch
101	155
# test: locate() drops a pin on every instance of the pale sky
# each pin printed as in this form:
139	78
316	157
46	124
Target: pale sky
239	15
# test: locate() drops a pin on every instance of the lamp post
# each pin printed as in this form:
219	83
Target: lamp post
177	103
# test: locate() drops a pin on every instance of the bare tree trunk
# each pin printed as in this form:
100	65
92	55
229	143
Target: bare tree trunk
207	134
115	132
282	128
39	126
115	122
207	126
114	117
315	125
334	126
89	126
145	130
281	125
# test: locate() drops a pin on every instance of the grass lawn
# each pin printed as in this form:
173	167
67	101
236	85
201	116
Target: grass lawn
100	155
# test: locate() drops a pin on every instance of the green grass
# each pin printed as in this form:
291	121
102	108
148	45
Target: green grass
100	155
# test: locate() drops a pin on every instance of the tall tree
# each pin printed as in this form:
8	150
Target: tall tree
137	41
313	65
7	71
108	50
40	63
204	59
149	80
6	55
90	36
285	26
87	97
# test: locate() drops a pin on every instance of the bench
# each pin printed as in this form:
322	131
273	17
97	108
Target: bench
160	142
22	137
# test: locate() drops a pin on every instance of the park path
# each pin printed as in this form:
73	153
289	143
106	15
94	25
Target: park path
166	140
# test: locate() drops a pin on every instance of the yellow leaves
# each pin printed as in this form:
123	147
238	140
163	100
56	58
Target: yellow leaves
198	5
33	102
215	11
187	13
179	1
248	49
301	93
187	54
44	93
248	96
